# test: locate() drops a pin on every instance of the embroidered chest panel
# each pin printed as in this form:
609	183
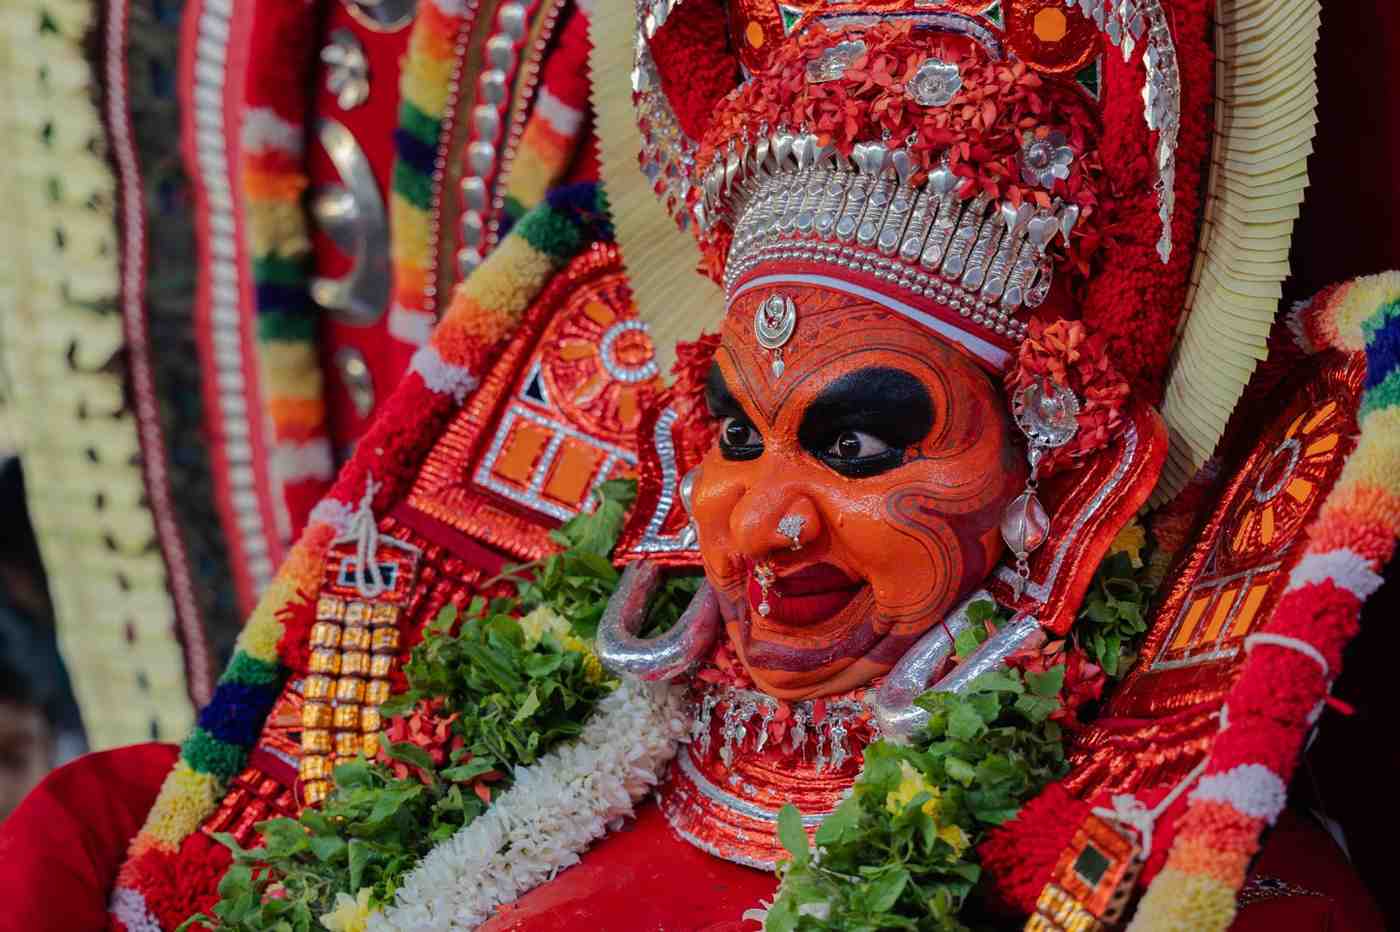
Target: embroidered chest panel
1225	588
556	417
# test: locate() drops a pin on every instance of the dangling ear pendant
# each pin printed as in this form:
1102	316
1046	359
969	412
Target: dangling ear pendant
1048	414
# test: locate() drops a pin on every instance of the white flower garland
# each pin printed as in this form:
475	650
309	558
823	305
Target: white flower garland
541	825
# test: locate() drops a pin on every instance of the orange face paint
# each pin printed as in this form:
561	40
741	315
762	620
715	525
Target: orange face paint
883	454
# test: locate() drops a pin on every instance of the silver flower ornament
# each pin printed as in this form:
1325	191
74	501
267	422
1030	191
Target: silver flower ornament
935	83
347	69
1044	160
831	64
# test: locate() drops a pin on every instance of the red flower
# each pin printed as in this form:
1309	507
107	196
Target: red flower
1065	353
1084	679
427	728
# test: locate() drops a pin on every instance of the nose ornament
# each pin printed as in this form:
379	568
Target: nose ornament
791	527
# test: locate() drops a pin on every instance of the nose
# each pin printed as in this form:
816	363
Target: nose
773	520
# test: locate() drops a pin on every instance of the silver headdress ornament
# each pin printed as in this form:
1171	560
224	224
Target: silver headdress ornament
1126	23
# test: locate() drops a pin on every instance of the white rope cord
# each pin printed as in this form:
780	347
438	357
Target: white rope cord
369	582
1289	643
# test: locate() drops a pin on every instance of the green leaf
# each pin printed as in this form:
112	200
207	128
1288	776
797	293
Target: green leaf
1036	708
792	835
968	640
360	854
960	770
236	880
529	707
467	772
981	611
327	848
410	754
996	681
841	823
353	773
282	837
390	801
1047	684
884	891
964	723
538	666
782	917
400	705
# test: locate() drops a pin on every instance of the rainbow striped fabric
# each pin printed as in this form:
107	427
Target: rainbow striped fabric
274	182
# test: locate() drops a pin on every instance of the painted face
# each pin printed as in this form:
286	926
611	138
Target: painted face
850	502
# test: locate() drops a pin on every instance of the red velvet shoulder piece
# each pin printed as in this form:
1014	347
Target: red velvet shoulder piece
1088	507
60	849
1161	720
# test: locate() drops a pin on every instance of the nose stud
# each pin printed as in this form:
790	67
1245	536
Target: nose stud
791	527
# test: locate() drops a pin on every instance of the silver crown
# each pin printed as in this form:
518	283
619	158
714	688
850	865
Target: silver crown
786	196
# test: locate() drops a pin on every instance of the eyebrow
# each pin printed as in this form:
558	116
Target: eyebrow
890	403
719	398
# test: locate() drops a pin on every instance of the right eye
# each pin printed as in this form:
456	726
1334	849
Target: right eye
739	440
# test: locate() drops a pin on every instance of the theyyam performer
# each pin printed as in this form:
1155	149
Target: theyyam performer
995	535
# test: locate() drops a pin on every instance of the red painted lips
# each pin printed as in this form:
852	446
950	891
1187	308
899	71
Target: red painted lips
806	596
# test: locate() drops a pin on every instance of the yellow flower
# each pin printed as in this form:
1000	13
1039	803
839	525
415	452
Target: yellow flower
911	784
543	620
1130	540
592	667
954	836
351	914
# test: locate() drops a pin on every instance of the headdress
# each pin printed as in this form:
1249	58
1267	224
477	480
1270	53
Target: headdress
971	165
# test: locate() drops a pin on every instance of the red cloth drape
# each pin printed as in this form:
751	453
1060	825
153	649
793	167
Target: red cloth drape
60	850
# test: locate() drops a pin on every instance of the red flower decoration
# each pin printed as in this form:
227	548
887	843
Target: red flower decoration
980	130
428	728
1084	679
1065	353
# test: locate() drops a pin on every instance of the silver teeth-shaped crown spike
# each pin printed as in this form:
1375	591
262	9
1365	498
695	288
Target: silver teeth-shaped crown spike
788	197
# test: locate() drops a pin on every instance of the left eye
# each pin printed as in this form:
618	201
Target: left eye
856	444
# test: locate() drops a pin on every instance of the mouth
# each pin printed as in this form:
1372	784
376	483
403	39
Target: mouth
806	596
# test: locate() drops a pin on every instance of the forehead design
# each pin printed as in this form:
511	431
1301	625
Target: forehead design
829	325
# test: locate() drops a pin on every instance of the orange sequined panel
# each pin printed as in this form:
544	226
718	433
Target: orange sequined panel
1225	589
556	416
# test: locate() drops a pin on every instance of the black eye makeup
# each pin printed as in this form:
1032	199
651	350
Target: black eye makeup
738	438
863	423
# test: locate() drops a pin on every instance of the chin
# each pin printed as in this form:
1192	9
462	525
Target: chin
817	684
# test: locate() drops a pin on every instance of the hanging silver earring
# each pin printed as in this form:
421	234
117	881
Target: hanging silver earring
1048	414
